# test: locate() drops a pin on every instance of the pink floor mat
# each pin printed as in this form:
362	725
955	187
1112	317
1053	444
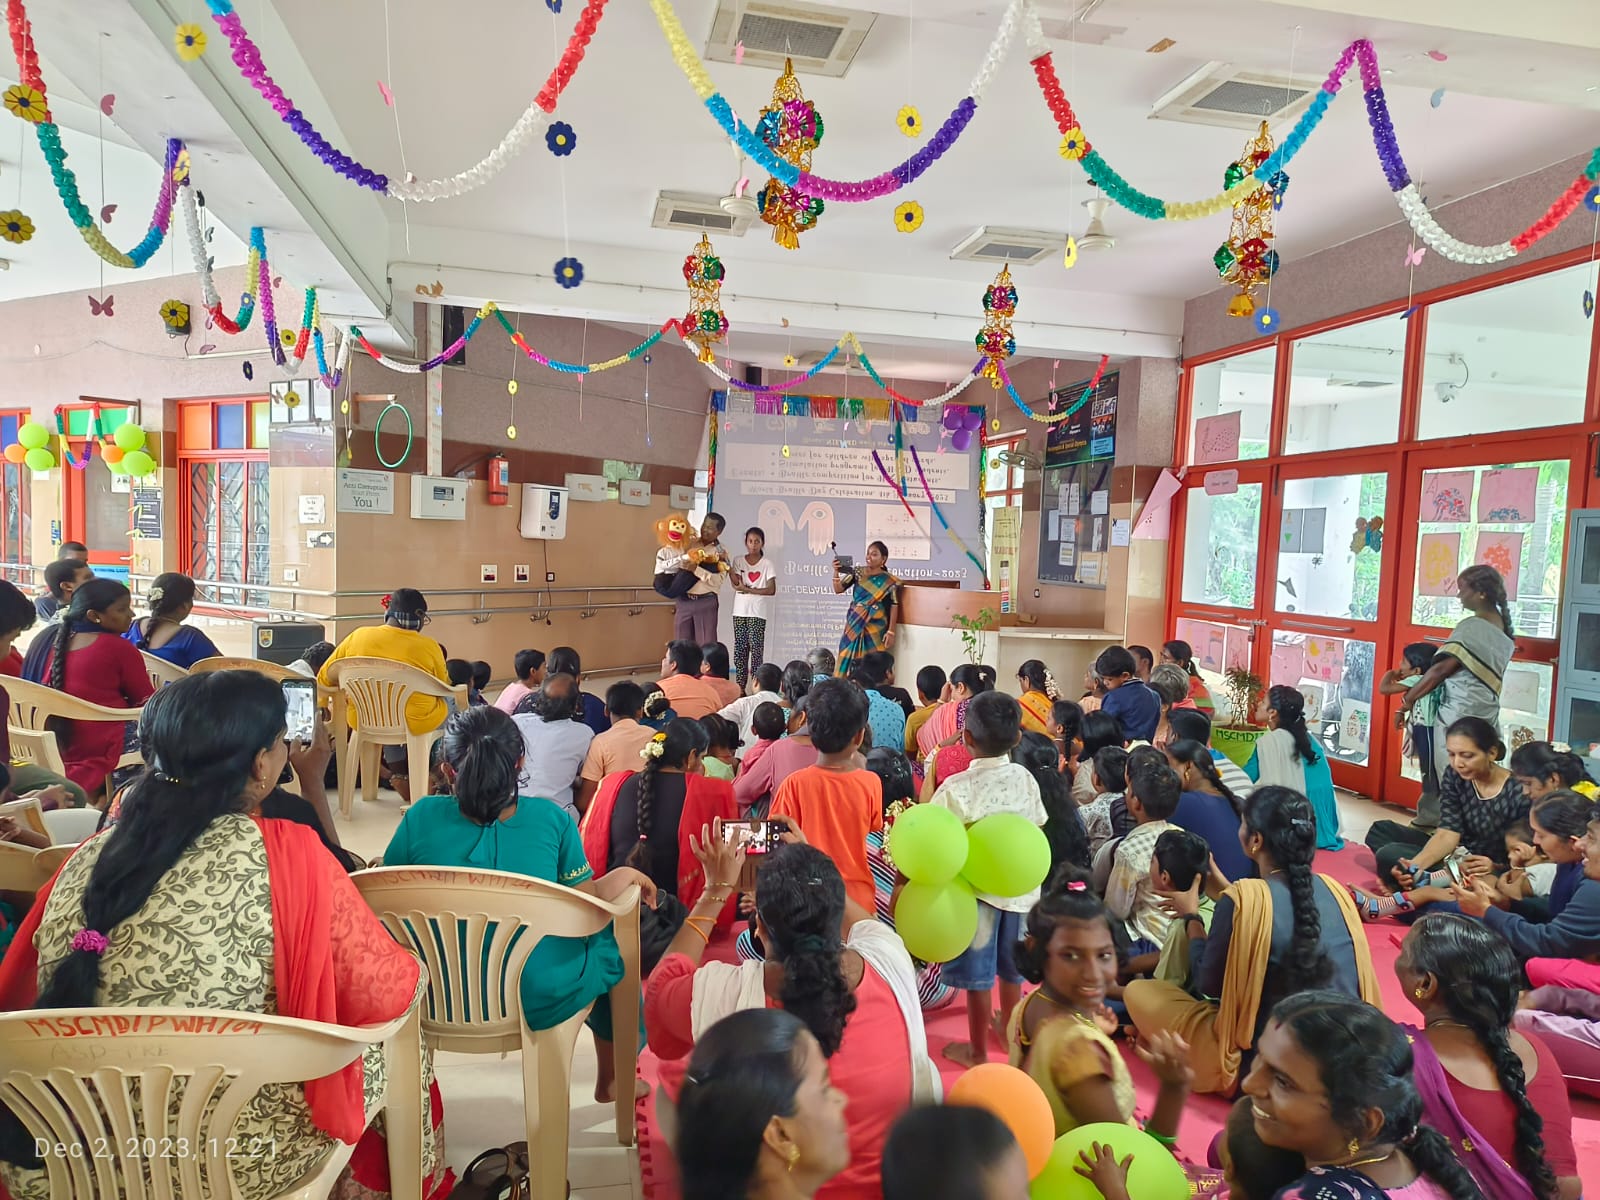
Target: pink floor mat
1204	1115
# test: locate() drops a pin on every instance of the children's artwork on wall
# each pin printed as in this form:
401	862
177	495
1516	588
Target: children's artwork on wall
1508	495
1288	662
1236	649
1438	564
1216	439
1521	691
1355	728
1503	552
1324	658
1446	497
1206	638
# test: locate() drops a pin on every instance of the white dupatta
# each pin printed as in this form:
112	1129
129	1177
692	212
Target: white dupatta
1276	762
724	988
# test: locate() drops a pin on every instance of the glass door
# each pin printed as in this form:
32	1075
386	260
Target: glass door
1219	610
1328	587
1467	506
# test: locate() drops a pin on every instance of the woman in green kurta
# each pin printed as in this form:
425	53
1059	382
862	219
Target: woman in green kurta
487	825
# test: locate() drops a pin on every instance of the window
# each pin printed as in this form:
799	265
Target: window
16	523
1002	482
1241	384
1221	539
1344	387
1512	357
226	522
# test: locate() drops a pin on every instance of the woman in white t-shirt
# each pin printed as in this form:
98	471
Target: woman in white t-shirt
755	583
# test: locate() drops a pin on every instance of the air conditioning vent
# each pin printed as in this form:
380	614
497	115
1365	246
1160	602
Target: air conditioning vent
1020	246
820	41
1220	94
696	212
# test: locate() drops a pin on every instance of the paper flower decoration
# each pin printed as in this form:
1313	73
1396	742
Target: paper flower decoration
569	272
1073	144
175	316
1266	319
1069	256
190	41
1588	303
561	139
553	5
291	399
908	217
1591	201
287	338
511	387
22	101
15	226
789	360
910	121
180	167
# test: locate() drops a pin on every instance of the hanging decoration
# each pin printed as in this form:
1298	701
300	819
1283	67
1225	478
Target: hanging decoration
1247	260
247	55
994	340
908	217
560	139
377	430
175	316
190	41
15	226
791	128
910	121
568	272
706	324
922	478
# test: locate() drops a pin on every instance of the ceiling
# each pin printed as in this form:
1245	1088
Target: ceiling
1519	94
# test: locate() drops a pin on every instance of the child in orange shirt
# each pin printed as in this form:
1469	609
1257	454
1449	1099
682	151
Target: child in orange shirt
835	803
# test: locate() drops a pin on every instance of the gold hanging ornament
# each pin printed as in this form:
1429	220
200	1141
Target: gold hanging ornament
792	127
1247	259
994	340
705	322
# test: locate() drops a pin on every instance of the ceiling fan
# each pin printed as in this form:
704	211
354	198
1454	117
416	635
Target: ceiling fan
1094	236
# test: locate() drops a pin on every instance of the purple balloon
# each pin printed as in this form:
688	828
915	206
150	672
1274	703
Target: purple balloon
972	420
961	439
952	418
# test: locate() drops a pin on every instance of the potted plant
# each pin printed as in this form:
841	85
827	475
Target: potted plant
972	631
1237	738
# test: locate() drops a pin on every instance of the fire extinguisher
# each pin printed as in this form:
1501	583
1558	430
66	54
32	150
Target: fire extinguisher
499	477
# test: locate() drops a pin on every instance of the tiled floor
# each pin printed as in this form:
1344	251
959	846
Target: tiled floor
483	1095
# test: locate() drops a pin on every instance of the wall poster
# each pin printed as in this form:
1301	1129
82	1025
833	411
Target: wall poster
1078	458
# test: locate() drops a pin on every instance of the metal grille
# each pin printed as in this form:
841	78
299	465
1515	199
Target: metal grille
1249	99
258	518
799	39
230	508
202	525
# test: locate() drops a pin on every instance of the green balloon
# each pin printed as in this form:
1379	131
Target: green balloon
33	435
138	463
928	844
936	923
117	468
1154	1173
1007	855
130	437
40	459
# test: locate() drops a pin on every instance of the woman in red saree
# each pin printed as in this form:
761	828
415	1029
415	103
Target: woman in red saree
193	900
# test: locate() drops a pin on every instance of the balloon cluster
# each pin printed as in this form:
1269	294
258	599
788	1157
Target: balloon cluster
1247	258
937	914
705	324
124	452
994	340
961	422
791	128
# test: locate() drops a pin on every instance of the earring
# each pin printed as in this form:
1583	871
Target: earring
794	1158
1354	1147
1417	992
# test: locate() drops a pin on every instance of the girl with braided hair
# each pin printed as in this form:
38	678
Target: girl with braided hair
1496	1094
1333	1083
88	658
1037	691
1272	936
1290	757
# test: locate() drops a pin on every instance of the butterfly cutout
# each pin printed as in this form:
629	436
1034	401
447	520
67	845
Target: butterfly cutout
211	232
1588	304
101	308
277	281
106	213
1414	256
1438	56
1410	312
211	322
388	96
208	347
738	53
107	103
1437	98
740	187
436	290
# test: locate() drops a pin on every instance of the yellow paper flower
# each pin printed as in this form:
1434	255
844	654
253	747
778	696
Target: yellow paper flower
15	226
175	313
789	360
910	121
190	41
288	337
180	166
22	101
908	217
1073	144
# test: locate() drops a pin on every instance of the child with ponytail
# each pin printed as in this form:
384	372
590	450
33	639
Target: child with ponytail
1288	756
487	825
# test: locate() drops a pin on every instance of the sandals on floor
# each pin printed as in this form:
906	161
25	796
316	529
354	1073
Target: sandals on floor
500	1173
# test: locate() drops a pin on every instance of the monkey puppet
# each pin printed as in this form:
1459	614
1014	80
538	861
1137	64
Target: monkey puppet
682	560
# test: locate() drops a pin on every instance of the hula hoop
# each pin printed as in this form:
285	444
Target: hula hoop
377	447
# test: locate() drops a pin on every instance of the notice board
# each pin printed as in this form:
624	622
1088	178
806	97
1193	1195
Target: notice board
1075	505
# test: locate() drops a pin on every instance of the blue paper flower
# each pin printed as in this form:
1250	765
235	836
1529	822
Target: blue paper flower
1592	200
561	138
569	272
1266	320
553	5
1588	304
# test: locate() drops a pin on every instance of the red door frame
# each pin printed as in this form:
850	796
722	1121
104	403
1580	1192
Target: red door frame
185	460
1408	455
74	486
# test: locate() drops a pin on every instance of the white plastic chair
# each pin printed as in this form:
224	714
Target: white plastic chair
99	1078
378	690
37	747
25	869
69	826
33	704
161	672
474	931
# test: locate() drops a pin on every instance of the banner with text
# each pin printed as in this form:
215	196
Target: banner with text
811	483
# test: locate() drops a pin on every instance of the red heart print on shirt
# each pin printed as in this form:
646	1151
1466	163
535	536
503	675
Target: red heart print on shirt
752	576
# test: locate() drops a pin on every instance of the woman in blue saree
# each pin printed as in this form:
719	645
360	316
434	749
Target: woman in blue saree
163	633
869	625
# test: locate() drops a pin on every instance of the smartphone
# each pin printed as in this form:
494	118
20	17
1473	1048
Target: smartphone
1454	868
300	698
846	563
757	837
